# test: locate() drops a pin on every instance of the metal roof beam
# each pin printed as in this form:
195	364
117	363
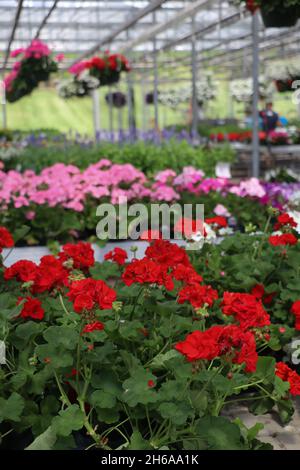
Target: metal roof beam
13	31
178	18
43	23
152	6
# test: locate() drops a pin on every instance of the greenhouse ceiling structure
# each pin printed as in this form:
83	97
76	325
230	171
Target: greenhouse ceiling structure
164	39
81	28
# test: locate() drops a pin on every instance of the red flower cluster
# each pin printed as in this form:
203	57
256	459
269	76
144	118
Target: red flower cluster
147	271
288	375
245	136
95	326
164	262
82	255
236	345
6	239
252	6
259	293
49	274
167	253
118	255
283	240
109	62
32	308
296	311
198	295
218	220
22	271
186	274
284	220
246	309
87	294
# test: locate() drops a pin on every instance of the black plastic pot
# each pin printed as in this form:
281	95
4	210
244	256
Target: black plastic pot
284	17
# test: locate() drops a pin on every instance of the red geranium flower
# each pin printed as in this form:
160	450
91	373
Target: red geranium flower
230	341
118	255
146	271
50	274
296	311
32	308
247	310
218	220
89	293
6	239
282	240
259	293
82	255
167	253
95	326
186	274
284	220
198	295
23	271
288	375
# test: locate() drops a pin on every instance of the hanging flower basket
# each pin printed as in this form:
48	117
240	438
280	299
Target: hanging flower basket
285	17
284	86
275	13
77	87
149	98
35	66
117	99
106	69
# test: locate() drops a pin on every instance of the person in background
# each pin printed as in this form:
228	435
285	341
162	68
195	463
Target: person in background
248	121
270	119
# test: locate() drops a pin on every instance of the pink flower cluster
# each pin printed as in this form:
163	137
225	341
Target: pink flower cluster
69	187
66	186
36	49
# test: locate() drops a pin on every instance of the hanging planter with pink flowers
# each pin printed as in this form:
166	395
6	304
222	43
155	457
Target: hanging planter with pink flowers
35	65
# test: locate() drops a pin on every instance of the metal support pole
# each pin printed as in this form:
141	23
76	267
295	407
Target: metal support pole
96	113
111	116
144	107
130	99
155	71
255	102
3	104
195	110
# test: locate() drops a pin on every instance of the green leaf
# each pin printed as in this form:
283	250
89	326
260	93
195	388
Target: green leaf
285	410
281	387
137	390
108	416
219	433
44	441
265	369
58	357
11	409
70	419
105	270
178	413
65	336
137	442
102	399
159	361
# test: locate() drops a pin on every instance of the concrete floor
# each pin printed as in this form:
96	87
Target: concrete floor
281	437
